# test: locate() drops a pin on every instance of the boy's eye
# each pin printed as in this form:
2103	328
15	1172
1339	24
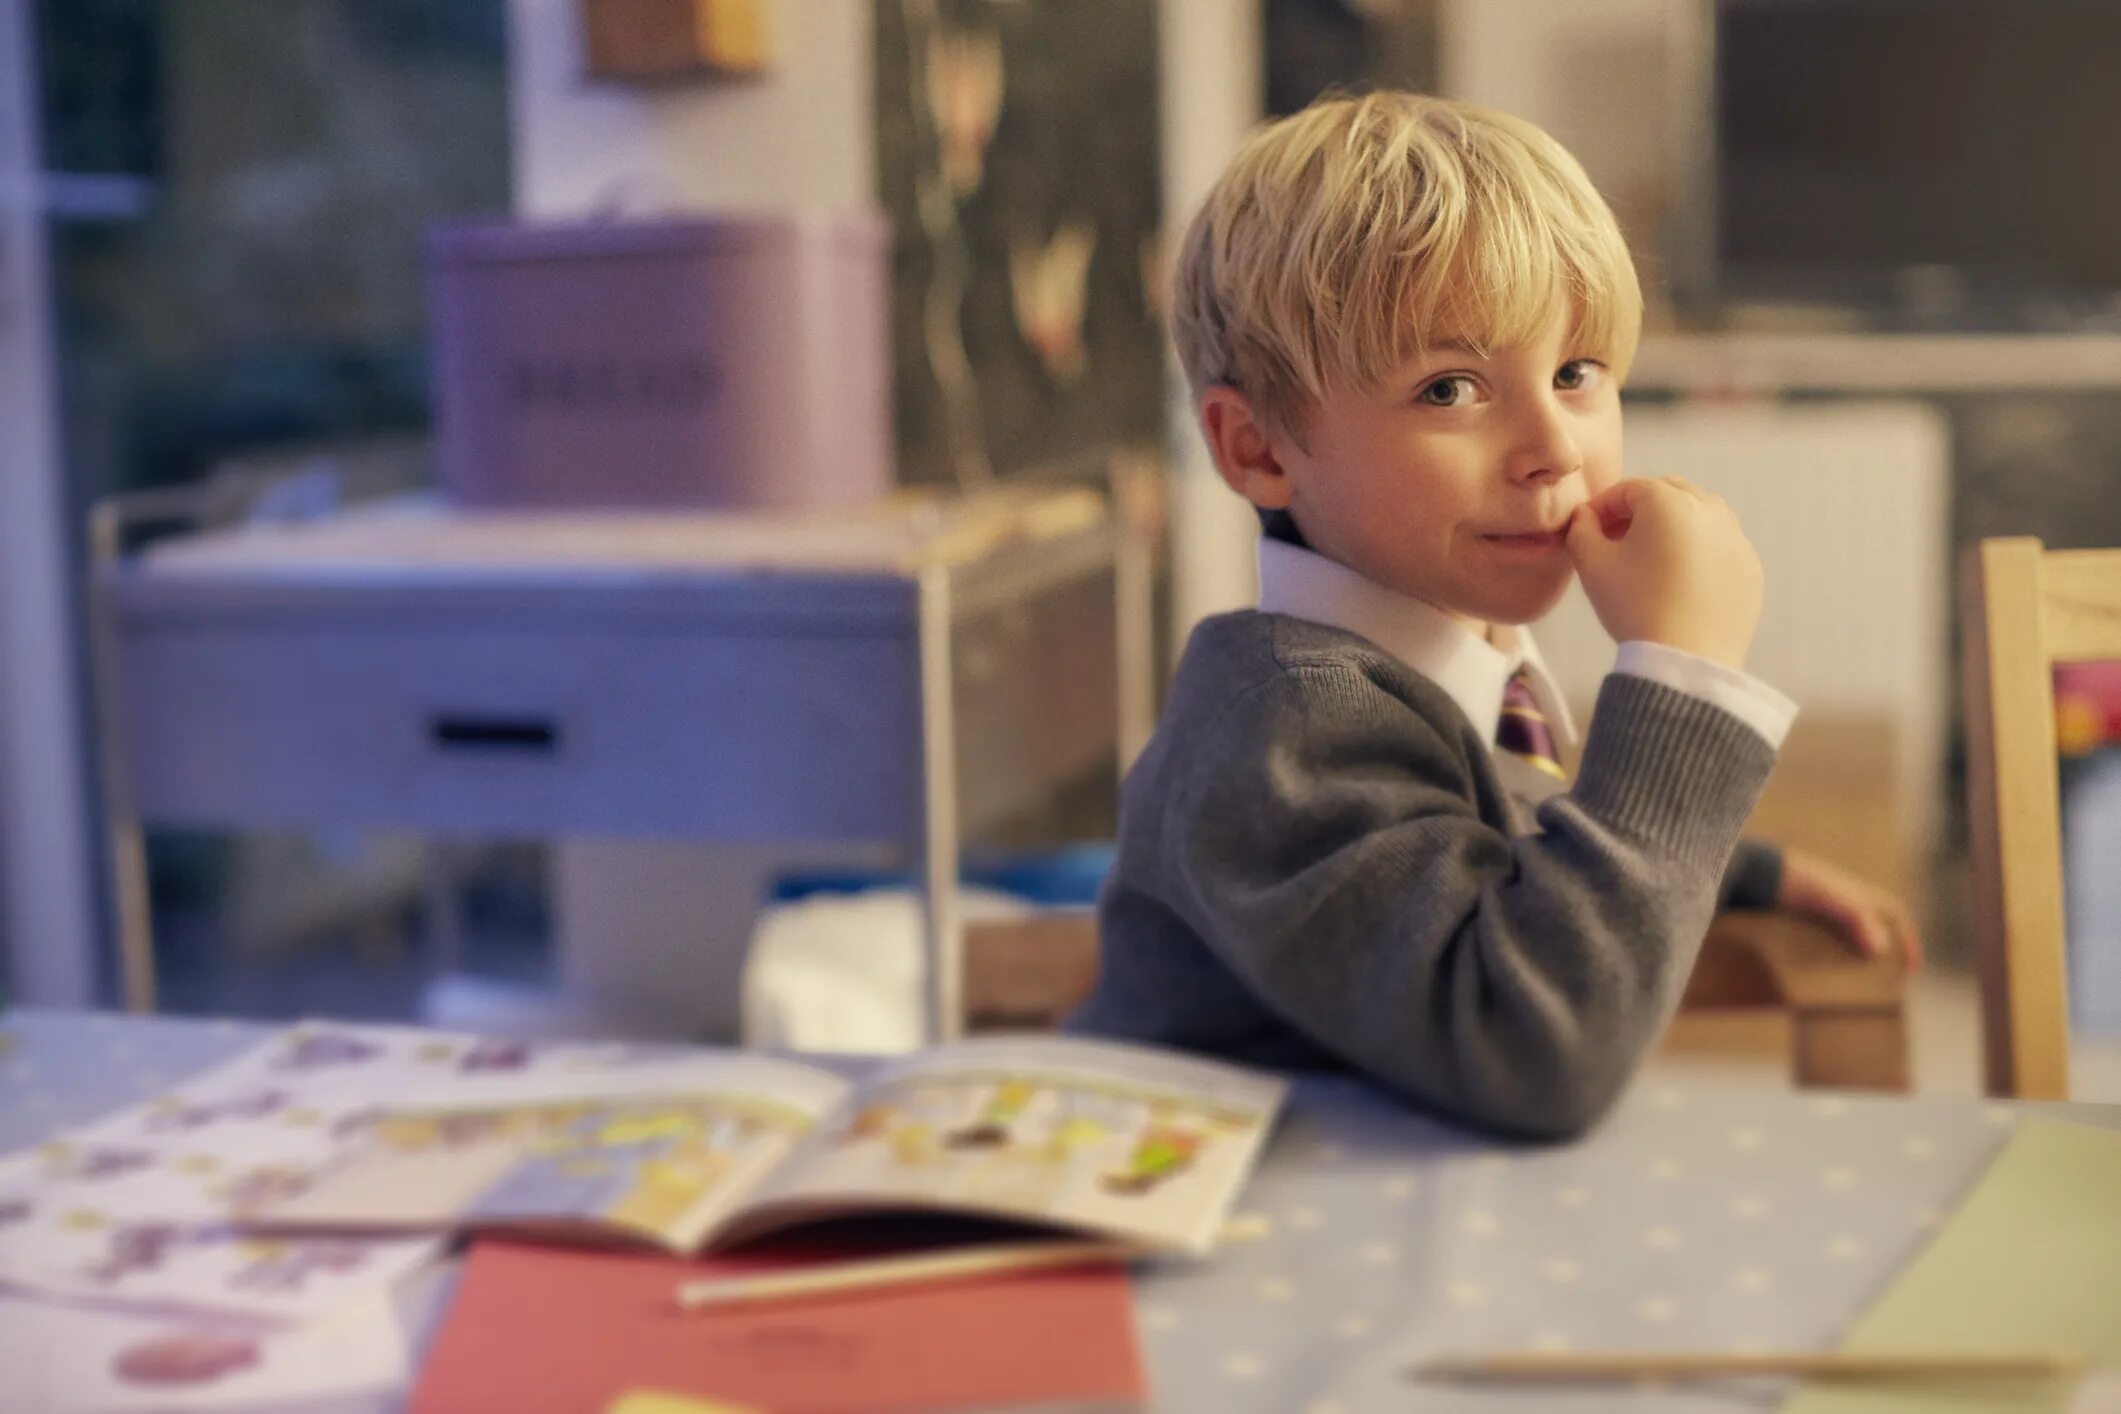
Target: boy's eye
1579	374
1455	391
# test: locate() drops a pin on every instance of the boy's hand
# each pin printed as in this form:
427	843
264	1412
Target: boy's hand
1873	921
1665	562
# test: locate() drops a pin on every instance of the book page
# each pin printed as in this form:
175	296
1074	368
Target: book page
1137	1144
660	1153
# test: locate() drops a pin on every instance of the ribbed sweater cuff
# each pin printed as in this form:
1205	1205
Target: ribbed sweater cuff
1671	770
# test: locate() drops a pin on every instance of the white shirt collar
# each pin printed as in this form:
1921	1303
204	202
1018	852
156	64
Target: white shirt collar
1472	671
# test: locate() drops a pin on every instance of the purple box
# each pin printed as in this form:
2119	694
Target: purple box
738	361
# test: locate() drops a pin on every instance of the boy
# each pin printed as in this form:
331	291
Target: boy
1405	322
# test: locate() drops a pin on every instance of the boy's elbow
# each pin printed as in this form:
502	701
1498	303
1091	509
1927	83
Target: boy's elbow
1557	1100
1551	1065
1565	1112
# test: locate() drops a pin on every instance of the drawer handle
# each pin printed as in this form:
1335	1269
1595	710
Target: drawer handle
528	735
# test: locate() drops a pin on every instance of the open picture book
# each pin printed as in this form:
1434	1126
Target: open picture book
1121	1142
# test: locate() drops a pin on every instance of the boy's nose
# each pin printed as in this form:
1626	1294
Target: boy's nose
1546	448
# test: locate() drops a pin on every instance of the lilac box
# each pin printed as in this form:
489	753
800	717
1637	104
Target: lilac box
739	361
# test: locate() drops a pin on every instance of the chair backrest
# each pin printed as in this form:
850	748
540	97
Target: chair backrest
2024	609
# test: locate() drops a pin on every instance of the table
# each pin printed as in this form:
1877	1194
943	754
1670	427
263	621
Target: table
1710	1214
899	674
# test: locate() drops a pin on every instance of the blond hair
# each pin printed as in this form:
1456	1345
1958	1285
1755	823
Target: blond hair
1350	237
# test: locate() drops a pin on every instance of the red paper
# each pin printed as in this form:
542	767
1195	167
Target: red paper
541	1328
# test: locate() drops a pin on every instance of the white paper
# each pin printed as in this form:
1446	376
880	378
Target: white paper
58	1359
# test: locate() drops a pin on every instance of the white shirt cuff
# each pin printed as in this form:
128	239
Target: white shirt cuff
1736	691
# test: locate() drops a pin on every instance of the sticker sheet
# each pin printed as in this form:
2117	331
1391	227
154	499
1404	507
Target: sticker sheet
133	1209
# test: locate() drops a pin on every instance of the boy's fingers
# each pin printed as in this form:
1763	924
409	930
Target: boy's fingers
1586	539
1910	936
1873	937
1862	928
1698	493
1620	496
1582	521
1616	505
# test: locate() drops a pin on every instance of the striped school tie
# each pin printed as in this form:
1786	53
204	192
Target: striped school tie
1522	728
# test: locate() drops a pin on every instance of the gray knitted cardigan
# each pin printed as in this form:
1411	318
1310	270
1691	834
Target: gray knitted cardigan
1322	864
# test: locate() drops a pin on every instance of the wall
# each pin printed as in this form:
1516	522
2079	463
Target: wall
1594	73
48	928
1582	71
1211	84
801	135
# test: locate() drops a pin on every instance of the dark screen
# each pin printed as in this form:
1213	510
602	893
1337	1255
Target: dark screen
1860	137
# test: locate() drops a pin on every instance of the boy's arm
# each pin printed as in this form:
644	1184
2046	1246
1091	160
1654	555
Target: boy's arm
1350	882
1754	878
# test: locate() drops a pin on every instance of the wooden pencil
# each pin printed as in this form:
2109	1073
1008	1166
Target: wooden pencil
1568	1367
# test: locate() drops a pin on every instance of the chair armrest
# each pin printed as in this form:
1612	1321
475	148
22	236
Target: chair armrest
1783	959
1848	1014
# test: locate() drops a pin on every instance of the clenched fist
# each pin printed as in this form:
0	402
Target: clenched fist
1664	561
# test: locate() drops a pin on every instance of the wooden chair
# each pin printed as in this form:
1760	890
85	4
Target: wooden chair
2023	610
1844	1016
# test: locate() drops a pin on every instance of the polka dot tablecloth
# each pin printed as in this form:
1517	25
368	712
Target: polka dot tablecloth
1709	1215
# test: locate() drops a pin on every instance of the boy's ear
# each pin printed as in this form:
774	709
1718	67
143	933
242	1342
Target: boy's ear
1243	450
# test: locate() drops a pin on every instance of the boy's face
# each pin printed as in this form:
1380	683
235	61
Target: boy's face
1453	479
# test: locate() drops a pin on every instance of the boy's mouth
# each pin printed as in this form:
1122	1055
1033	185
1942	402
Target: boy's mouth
1531	540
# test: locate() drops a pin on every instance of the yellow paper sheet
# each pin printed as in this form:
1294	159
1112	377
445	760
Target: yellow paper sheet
2031	1261
651	1401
